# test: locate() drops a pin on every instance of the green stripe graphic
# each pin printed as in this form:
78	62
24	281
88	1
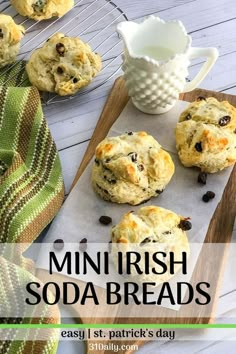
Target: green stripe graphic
108	325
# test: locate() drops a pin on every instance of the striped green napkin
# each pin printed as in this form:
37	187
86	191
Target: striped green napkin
31	193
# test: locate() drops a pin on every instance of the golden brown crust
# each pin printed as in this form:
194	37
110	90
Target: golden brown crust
131	168
206	135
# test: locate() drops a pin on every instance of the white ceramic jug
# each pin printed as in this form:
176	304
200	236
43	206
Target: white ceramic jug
155	62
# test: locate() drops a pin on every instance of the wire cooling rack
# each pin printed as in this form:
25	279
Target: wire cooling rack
94	21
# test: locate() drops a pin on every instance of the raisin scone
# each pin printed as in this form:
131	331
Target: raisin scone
151	229
11	35
42	9
63	65
131	168
206	135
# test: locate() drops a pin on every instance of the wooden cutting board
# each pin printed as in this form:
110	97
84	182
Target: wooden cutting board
220	229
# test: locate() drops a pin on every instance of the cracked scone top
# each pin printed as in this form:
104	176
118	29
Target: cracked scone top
131	168
206	135
63	65
10	38
42	9
151	229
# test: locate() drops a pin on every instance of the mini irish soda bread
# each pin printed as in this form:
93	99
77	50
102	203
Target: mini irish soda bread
10	37
131	168
152	229
42	9
206	135
63	65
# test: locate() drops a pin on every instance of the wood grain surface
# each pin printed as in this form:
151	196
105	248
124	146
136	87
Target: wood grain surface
220	230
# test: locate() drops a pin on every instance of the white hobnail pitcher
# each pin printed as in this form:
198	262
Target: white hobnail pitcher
155	62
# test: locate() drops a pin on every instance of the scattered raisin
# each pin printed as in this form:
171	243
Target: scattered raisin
205	198
60	70
185	225
1	34
58	244
105	220
130	133
208	196
188	116
60	48
133	156
141	168
75	80
198	147
211	194
224	121
201	98
234	131
83	245
202	178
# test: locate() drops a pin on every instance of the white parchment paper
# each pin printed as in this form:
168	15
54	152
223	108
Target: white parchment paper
79	215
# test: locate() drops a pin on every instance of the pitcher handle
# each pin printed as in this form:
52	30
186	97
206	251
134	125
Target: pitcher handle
211	54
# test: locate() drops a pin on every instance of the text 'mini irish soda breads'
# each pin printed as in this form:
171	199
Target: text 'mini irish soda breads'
206	135
63	65
151	229
131	168
10	37
42	9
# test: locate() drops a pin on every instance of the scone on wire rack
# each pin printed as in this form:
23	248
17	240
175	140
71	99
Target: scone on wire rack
206	135
63	65
42	9
131	168
11	35
151	229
